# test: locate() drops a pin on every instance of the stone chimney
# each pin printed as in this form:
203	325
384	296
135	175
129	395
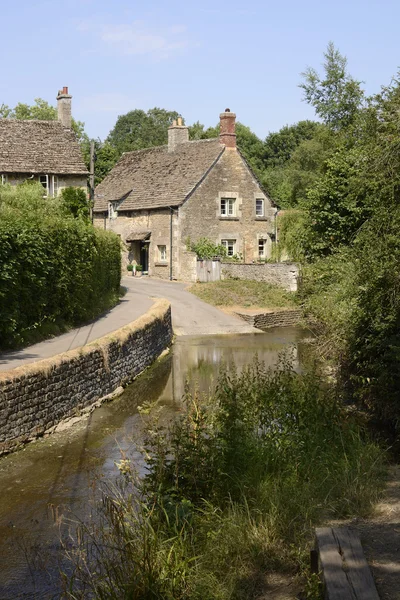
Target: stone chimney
177	134
64	107
227	135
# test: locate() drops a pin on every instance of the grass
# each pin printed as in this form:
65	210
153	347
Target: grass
231	292
233	491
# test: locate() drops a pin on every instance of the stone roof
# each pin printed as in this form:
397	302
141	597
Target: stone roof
156	178
39	147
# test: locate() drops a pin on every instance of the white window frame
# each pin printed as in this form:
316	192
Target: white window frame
162	253
260	208
262	248
4	179
228	207
54	186
230	246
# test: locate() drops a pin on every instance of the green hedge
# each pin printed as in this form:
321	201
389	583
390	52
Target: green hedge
56	270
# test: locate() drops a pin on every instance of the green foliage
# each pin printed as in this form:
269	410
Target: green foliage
234	486
291	232
373	350
205	248
56	270
279	146
138	129
75	202
337	97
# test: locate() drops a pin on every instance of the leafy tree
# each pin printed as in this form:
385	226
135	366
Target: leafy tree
279	146
105	156
336	96
138	129
75	202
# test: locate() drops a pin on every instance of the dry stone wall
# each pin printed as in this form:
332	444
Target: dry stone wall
34	398
284	275
277	318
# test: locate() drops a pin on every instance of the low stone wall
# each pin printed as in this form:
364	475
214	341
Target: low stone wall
277	318
284	275
35	397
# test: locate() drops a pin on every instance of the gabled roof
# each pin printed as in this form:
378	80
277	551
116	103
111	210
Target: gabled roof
156	178
39	147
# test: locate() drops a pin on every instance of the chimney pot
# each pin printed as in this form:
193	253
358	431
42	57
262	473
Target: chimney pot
179	121
227	122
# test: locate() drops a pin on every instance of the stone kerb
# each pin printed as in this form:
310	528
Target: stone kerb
34	398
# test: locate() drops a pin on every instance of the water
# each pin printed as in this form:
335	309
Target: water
58	473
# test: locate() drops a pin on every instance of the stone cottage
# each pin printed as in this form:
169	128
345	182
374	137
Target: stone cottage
159	198
44	151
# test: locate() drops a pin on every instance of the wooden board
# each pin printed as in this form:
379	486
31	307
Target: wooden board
344	568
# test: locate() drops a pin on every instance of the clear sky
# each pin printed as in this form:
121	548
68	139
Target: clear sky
195	57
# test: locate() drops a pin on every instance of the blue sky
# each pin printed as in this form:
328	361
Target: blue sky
194	57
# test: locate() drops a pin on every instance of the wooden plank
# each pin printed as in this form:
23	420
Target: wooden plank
337	586
355	565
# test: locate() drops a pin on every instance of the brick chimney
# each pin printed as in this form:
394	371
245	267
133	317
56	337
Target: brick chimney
64	107
177	134
227	122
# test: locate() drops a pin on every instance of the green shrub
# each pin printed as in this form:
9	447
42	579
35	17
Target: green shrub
233	490
57	271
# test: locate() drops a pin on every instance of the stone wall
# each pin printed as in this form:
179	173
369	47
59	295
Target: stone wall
281	274
35	397
277	318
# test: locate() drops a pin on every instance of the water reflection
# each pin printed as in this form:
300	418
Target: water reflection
56	473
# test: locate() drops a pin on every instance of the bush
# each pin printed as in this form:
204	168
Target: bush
57	270
233	490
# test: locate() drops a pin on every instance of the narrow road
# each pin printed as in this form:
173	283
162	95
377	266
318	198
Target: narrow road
190	316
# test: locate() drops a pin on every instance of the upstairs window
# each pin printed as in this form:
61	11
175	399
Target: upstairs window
259	207
230	246
228	207
162	253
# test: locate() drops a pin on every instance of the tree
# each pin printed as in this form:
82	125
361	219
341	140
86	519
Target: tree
75	202
279	146
138	129
337	97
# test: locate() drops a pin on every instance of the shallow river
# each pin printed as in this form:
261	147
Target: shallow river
58	473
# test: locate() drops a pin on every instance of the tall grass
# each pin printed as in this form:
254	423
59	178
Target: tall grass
233	489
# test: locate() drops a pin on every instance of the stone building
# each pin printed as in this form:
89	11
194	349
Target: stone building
44	151
159	198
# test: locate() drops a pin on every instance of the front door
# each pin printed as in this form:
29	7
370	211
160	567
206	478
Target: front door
144	256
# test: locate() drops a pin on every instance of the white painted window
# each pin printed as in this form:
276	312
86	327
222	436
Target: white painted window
230	246
262	248
54	186
162	253
260	207
112	210
228	207
4	179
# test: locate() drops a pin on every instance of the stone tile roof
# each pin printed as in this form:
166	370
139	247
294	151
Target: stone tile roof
39	147
156	178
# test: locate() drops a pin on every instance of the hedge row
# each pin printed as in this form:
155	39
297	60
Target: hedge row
54	270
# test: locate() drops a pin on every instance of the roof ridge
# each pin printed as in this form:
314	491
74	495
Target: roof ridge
166	146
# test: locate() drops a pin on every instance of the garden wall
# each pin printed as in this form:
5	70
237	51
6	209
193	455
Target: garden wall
35	397
284	275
